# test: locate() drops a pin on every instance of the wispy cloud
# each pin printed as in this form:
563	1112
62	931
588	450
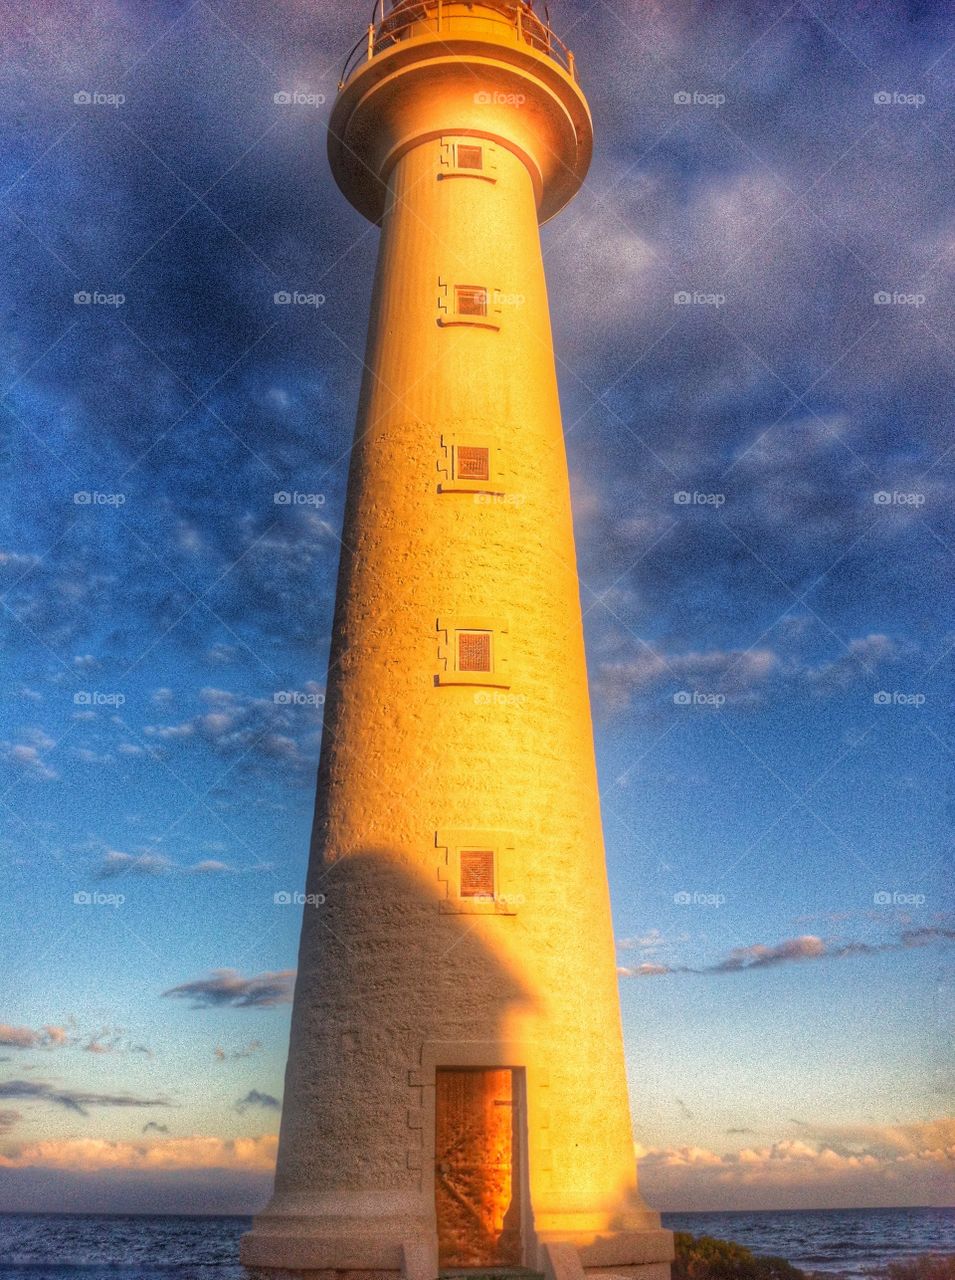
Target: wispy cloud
234	1055
862	657
284	727
225	987
77	1100
627	670
256	1099
118	863
739	674
27	756
27	1038
759	955
9	1119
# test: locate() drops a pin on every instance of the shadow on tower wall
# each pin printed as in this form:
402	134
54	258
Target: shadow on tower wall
382	970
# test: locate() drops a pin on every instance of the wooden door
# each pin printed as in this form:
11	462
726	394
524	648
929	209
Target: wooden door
475	1169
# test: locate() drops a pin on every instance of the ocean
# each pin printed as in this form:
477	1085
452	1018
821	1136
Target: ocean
850	1242
847	1242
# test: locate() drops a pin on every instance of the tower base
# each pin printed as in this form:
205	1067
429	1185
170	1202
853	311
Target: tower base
294	1254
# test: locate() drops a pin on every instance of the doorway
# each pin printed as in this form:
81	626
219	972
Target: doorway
476	1168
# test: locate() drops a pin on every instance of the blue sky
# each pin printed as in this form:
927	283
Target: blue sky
762	478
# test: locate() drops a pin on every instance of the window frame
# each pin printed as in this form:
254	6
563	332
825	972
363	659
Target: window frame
448	313
447	672
450	843
449	165
448	479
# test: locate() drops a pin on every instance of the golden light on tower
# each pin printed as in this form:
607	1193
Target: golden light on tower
455	1092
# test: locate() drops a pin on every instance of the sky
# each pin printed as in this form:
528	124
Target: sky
752	300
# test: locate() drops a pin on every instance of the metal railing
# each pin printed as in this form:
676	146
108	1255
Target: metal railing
437	18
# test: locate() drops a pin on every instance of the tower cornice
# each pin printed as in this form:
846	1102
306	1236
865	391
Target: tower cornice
465	82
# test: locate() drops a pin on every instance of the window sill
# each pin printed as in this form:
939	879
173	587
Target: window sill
477	322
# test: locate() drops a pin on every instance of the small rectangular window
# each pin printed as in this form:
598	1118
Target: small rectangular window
470	300
471	462
470	157
477	873
474	651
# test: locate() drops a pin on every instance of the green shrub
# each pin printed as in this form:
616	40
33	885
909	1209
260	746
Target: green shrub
703	1258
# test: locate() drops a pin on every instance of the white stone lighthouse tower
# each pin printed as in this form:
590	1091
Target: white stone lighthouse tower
455	1094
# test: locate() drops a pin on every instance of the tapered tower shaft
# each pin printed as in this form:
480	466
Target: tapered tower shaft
460	967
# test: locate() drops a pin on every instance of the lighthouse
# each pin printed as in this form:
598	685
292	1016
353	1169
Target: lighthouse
455	1095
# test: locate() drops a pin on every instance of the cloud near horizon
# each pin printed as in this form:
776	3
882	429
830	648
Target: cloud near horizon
902	1164
90	1155
908	1164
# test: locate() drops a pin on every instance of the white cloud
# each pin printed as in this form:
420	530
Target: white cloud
89	1155
27	756
909	1164
117	863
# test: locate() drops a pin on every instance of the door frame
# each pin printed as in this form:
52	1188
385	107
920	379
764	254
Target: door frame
490	1055
486	1084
